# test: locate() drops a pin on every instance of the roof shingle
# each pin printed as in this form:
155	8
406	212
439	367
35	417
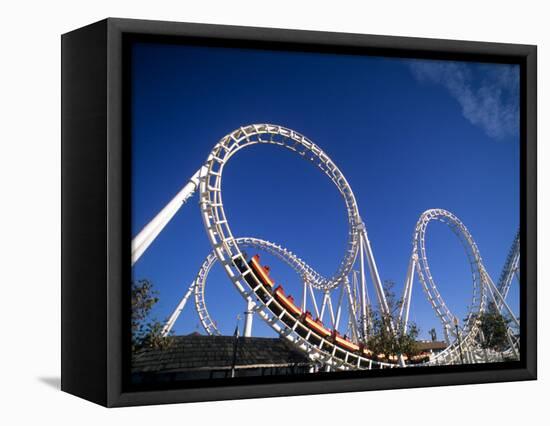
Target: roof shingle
216	352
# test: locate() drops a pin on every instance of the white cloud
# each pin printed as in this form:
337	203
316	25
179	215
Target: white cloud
487	94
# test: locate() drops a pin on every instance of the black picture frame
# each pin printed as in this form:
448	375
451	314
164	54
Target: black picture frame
96	210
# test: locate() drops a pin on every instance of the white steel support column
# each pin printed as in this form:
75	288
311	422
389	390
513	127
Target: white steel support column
331	311
492	291
312	295
339	310
248	315
405	306
323	306
374	273
353	313
147	235
511	341
304	295
446	334
363	288
354	286
172	320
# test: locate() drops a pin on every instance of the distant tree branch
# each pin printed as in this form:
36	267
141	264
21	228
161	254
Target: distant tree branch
387	340
146	332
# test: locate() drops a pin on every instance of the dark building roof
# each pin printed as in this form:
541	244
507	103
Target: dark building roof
194	352
435	346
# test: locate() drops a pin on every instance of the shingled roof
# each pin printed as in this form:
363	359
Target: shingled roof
434	346
196	352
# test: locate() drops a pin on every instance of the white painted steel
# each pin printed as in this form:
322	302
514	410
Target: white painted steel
177	312
214	216
481	282
227	250
248	315
147	235
419	261
510	270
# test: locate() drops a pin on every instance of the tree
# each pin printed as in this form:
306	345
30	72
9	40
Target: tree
146	332
494	330
386	337
433	334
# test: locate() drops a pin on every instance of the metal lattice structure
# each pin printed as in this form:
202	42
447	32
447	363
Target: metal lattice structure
346	290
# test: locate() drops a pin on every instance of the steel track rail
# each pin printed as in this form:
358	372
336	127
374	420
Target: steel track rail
227	251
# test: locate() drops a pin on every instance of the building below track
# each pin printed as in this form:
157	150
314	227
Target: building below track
195	357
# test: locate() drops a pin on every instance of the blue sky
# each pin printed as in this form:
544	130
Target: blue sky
409	135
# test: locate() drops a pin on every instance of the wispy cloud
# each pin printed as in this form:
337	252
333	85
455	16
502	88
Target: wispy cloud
487	94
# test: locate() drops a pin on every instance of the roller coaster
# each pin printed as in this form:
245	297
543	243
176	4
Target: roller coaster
342	344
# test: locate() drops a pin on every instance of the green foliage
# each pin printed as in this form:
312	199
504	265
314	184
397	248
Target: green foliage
146	332
386	337
494	330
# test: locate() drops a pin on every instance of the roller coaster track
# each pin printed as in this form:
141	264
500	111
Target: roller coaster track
511	269
199	283
322	350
